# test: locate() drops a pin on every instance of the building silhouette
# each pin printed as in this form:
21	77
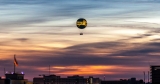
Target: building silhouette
155	74
76	79
14	78
123	81
38	80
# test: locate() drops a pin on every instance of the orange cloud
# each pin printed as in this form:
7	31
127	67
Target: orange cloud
89	70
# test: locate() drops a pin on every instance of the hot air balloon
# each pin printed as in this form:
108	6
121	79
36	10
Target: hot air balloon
81	24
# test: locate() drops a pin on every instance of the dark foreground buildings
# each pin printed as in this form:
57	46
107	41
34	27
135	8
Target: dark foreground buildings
76	79
14	78
123	81
155	74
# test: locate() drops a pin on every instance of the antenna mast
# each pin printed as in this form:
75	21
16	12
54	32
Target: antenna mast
148	76
49	69
144	76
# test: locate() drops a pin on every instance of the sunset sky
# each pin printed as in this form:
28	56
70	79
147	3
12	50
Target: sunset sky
121	39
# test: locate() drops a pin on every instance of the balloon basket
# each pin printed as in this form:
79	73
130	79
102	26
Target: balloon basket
81	33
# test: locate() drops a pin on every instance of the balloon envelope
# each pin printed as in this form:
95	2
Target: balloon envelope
81	23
